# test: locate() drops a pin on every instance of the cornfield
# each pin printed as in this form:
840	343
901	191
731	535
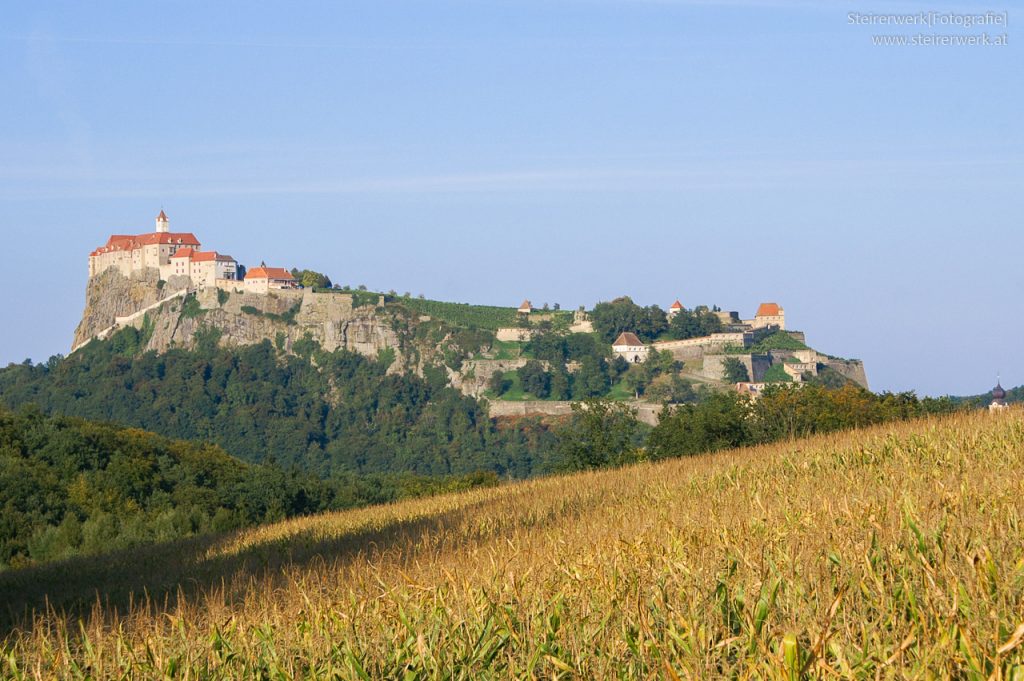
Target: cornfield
891	552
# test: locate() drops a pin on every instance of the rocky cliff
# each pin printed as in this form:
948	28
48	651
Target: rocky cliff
236	318
112	295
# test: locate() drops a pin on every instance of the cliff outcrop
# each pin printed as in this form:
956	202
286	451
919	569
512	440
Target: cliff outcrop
112	295
236	318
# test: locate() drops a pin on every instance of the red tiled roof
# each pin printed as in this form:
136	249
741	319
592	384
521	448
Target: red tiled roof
676	306
162	217
127	242
201	256
769	310
627	338
269	273
526	305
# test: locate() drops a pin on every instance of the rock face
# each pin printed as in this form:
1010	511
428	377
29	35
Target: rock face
282	317
113	295
852	369
472	379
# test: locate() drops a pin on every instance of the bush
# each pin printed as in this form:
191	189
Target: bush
190	308
534	379
600	433
498	384
735	370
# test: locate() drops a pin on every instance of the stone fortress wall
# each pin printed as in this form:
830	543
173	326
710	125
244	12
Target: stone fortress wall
757	365
646	411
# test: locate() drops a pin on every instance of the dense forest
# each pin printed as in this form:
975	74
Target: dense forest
325	413
70	486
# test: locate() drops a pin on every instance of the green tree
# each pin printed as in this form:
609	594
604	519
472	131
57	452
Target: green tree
498	384
560	384
671	389
622	314
534	379
735	370
592	379
600	433
694	323
311	279
720	421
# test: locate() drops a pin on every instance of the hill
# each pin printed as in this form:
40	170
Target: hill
73	487
887	552
328	413
539	355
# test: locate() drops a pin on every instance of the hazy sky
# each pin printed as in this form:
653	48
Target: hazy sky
562	150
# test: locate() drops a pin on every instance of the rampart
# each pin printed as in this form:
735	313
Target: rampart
645	411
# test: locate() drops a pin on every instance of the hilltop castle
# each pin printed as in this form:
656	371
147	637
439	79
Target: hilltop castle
180	254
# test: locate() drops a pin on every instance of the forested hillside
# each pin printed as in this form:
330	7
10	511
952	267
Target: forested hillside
320	431
324	412
70	486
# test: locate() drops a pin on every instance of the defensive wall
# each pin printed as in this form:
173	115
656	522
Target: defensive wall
757	366
692	348
646	412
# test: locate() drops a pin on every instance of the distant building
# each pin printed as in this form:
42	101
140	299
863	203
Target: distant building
998	398
752	389
203	267
797	370
525	308
675	309
264	279
728	319
630	347
769	314
128	253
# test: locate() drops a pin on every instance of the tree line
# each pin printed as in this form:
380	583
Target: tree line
70	486
322	412
651	322
602	433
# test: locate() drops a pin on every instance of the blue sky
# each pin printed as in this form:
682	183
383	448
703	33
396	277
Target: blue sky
562	150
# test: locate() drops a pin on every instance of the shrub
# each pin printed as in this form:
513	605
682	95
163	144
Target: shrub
190	308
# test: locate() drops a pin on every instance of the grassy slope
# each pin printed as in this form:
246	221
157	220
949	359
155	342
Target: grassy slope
462	314
889	551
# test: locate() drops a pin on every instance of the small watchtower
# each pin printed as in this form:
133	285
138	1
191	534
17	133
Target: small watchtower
163	225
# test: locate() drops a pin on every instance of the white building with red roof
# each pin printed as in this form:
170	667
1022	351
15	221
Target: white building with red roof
203	267
172	253
675	309
263	279
629	346
769	314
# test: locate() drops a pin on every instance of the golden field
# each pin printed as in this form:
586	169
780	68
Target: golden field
891	552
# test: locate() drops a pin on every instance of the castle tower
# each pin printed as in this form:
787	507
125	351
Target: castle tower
675	309
163	225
